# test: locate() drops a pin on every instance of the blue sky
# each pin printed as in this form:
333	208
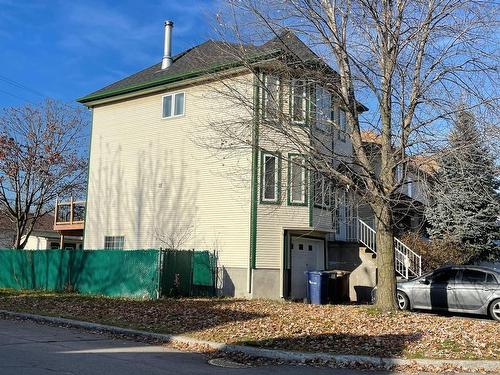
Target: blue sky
66	49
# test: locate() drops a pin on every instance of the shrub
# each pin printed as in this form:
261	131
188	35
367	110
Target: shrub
438	252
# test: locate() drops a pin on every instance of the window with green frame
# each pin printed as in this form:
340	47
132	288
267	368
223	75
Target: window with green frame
341	121
270	177
298	101
271	97
322	190
297	180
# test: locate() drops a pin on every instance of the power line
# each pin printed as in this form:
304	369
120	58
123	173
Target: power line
21	86
16	96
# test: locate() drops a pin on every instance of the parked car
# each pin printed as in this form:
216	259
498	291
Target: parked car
463	289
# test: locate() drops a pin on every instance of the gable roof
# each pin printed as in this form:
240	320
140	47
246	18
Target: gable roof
45	222
204	58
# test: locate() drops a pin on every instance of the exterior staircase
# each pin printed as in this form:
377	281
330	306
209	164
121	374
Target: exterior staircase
408	263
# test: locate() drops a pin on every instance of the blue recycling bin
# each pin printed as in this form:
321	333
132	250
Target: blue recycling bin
317	287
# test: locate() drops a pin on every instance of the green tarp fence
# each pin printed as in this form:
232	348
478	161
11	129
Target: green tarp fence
188	273
116	273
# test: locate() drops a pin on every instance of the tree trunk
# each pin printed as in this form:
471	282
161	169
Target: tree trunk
386	283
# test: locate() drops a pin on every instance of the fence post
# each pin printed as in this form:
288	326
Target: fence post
159	270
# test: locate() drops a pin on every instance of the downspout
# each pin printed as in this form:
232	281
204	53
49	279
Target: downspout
254	187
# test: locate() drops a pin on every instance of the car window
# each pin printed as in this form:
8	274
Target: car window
473	276
490	279
444	276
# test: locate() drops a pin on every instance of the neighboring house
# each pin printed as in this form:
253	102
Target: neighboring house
153	183
42	237
413	195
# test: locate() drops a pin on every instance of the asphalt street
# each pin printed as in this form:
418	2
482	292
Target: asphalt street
29	348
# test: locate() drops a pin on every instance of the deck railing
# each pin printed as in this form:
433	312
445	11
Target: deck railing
72	212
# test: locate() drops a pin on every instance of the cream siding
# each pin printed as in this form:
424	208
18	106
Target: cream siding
152	178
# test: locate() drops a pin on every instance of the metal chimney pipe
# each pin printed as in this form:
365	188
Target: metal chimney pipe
167	52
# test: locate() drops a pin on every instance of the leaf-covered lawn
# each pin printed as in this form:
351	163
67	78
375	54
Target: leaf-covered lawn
333	328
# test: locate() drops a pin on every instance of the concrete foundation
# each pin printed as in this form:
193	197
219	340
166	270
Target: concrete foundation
362	264
266	283
233	282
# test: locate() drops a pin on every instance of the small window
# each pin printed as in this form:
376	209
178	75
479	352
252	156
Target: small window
310	248
297	179
298	102
410	187
114	242
342	124
173	105
271	94
323	108
301	246
270	177
473	276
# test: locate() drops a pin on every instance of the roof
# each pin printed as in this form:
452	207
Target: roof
369	136
45	222
207	57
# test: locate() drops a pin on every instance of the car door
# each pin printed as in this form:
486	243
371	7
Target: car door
472	290
435	291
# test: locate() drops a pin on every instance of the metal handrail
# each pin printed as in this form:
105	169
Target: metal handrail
407	262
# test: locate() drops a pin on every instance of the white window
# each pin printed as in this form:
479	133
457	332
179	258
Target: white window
114	242
298	103
271	95
399	173
270	178
173	105
341	123
322	190
297	178
410	187
323	101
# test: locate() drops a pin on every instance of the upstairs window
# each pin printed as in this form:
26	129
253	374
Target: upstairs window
323	100
270	178
271	96
322	191
298	101
410	187
297	180
173	105
114	242
341	121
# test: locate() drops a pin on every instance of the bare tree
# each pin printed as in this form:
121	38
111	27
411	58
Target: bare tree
42	156
408	60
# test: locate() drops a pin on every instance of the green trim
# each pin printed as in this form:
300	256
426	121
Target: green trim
88	176
277	201
311	199
289	185
255	176
177	77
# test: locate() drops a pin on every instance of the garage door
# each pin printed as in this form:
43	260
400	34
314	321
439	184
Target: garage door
306	255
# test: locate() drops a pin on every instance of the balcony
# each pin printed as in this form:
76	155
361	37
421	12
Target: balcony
70	217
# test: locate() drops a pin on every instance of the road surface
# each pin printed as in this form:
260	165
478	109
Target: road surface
29	348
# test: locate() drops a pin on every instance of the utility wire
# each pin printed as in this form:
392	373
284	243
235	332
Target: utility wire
21	86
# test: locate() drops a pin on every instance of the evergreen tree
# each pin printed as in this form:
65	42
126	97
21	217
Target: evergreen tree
466	204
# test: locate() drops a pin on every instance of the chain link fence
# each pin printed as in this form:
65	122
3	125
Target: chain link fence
147	274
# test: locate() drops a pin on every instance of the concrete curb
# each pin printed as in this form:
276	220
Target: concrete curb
284	355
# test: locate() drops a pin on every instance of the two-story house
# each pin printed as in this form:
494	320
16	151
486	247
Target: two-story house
156	178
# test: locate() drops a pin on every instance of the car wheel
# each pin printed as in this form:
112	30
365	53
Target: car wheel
494	310
403	301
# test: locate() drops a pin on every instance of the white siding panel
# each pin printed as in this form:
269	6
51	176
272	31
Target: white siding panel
152	178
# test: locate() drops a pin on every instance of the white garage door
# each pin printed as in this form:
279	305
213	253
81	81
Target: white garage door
306	255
